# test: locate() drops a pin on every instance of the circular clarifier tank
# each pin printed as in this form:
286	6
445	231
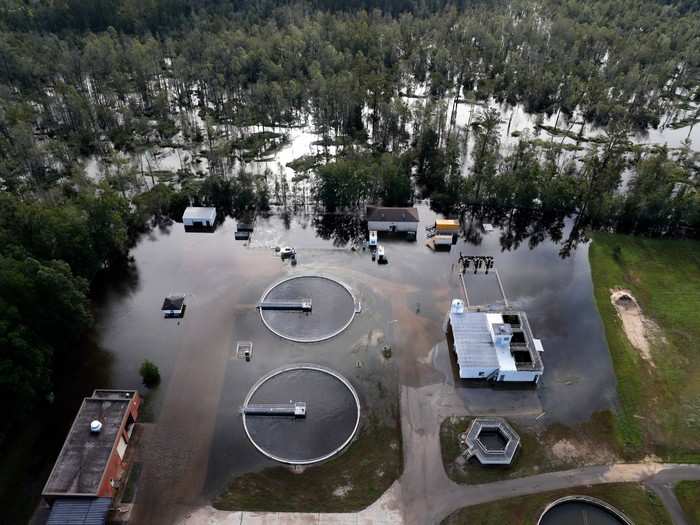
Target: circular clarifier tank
332	308
330	423
582	510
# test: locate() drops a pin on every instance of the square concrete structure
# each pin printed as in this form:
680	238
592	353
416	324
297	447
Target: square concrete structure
91	462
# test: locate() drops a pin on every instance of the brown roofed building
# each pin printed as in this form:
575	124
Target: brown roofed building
392	219
91	462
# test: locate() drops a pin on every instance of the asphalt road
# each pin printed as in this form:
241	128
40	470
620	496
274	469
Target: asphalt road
428	495
663	485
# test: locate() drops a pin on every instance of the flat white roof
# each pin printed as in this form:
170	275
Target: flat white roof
197	213
472	340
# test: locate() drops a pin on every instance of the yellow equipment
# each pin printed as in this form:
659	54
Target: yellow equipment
446	226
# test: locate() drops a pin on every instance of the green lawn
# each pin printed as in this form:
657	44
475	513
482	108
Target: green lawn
348	483
529	459
639	504
537	452
688	494
660	405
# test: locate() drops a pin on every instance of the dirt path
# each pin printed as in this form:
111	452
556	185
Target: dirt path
638	328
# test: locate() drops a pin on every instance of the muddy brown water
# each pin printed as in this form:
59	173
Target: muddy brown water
197	442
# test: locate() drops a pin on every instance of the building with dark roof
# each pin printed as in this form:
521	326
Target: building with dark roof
173	306
91	462
392	219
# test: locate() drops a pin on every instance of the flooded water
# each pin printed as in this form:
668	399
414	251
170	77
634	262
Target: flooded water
515	121
579	513
303	141
197	442
332	308
331	413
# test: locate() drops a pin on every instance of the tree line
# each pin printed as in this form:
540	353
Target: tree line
52	250
117	78
614	184
96	88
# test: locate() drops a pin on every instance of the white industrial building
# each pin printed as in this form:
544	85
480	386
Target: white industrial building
494	346
197	217
392	219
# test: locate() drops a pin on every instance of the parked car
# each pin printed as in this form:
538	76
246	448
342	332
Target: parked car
287	252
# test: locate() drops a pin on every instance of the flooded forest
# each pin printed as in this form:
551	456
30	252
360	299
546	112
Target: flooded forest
115	115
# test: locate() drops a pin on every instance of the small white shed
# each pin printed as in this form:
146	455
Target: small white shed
196	216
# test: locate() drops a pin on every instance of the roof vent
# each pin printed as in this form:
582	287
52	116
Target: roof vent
95	426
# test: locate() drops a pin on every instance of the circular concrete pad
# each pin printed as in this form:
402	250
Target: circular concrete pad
332	414
333	308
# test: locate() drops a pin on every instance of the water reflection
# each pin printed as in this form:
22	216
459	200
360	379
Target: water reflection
120	280
341	228
517	225
329	422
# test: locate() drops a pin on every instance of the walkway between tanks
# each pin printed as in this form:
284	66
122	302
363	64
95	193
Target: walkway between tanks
425	495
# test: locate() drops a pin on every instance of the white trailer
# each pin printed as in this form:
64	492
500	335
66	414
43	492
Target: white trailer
442	240
373	238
